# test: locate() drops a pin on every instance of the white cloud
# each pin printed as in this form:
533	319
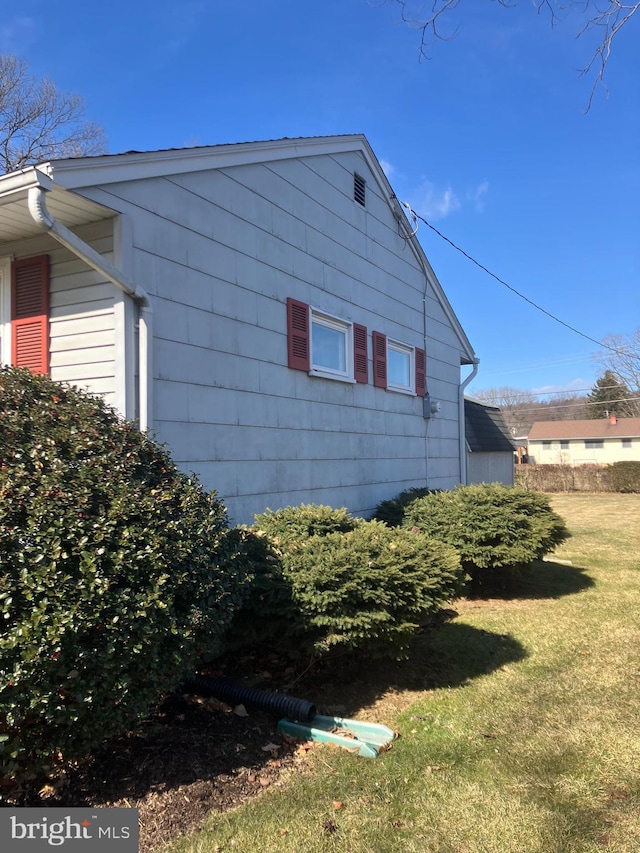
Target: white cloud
567	387
388	168
434	203
477	196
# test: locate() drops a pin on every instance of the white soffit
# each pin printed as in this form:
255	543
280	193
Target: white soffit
15	220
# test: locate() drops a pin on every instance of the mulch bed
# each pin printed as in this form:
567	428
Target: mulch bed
192	756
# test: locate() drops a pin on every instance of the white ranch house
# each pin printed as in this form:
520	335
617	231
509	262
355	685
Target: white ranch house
263	308
601	440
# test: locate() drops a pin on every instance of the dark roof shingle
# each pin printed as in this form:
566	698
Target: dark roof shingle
485	428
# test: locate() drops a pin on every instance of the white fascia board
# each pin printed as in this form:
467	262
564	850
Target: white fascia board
113	168
16	183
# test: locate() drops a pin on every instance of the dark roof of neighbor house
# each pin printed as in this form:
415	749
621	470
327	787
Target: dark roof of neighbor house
485	428
596	428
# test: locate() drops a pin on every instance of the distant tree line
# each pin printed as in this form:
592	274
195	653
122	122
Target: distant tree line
615	392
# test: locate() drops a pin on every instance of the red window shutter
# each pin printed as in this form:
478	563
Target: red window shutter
30	313
421	372
379	359
360	354
298	334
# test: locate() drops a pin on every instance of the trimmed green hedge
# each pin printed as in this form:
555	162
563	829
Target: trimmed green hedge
392	511
370	588
296	523
490	525
116	570
625	476
323	580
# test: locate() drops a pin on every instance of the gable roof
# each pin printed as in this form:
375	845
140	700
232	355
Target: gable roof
69	184
485	428
595	428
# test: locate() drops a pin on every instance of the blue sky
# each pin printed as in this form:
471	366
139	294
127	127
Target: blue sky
488	140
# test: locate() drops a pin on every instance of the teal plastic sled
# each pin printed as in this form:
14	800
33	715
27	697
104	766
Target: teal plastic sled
366	739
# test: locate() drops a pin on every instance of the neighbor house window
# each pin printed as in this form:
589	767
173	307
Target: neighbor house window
546	445
564	445
324	345
594	444
626	442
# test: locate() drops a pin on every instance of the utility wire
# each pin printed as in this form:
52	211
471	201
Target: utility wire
508	286
544	408
567	394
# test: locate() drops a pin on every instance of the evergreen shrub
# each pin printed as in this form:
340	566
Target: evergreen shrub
625	476
323	580
492	526
116	570
296	523
268	615
392	511
370	588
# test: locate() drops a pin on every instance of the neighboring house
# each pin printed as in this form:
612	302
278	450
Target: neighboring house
490	450
602	440
263	308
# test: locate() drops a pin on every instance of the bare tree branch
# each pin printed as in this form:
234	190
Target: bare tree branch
608	16
37	122
624	363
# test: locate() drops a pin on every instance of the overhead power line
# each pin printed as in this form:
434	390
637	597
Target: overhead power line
542	407
568	393
508	286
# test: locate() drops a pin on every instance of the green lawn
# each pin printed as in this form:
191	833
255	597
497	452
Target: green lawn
519	723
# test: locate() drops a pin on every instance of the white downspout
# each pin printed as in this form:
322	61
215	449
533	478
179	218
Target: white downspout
462	436
40	214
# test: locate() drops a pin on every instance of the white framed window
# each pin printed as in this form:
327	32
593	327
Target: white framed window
331	347
400	367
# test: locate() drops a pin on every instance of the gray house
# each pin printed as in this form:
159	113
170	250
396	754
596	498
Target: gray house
262	308
490	448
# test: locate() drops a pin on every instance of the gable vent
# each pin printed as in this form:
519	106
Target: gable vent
359	185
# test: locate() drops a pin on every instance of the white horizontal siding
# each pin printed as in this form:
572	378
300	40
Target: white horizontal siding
490	468
221	251
82	336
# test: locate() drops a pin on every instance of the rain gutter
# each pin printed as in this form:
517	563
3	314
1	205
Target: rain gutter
43	218
463	438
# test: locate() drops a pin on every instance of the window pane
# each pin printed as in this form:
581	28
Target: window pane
329	348
398	368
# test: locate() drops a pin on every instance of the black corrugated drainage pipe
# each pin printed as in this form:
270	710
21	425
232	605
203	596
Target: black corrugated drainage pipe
236	694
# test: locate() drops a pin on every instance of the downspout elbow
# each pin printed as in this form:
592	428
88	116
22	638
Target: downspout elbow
38	209
42	217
